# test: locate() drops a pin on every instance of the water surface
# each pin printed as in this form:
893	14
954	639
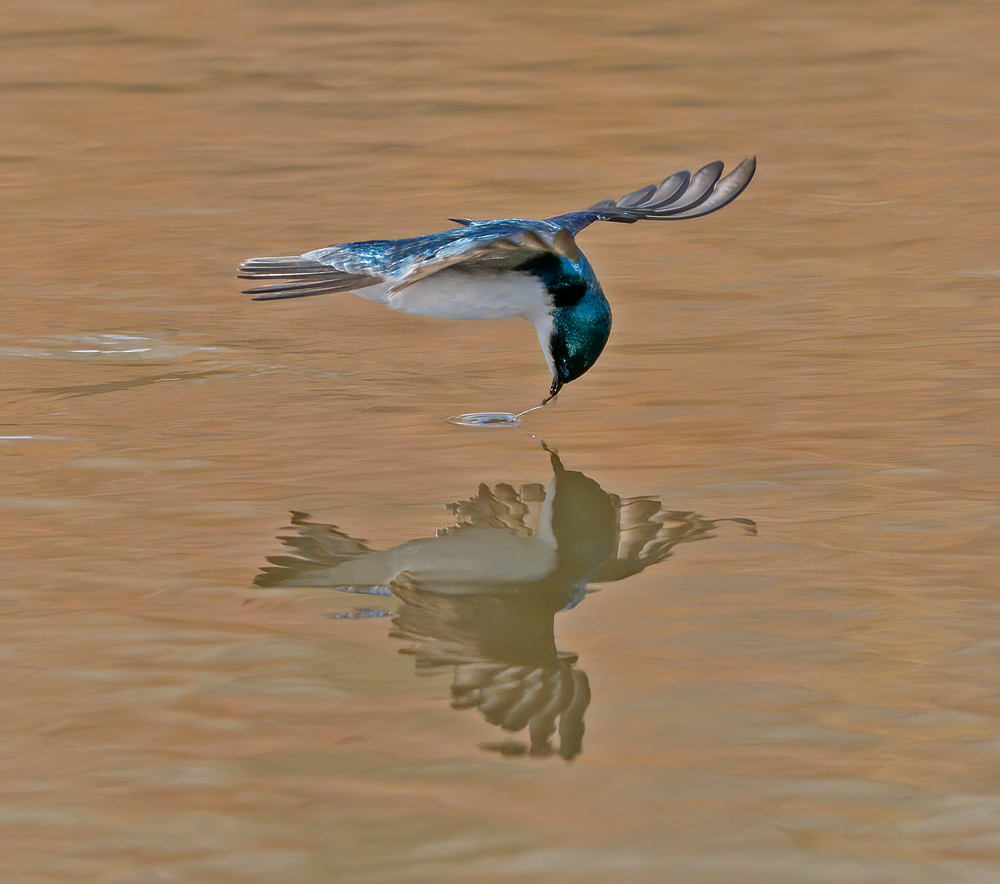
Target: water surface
816	703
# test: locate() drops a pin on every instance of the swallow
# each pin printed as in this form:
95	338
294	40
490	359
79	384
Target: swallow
501	268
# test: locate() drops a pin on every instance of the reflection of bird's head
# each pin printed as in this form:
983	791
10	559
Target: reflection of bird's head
582	519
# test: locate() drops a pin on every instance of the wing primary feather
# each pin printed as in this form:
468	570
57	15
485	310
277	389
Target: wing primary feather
274	273
292	264
698	191
678	196
306	290
725	191
636	197
669	190
341	282
305	277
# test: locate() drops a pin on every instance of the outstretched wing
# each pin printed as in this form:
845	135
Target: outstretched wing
682	195
648	533
480	245
304	277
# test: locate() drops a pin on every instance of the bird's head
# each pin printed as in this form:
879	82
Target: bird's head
581	321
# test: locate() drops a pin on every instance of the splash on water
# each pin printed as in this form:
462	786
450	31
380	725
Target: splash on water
486	419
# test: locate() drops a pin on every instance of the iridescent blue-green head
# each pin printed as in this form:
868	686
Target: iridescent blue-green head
581	315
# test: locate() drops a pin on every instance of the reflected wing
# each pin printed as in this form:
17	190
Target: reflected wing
317	548
541	699
502	506
649	533
682	195
502	654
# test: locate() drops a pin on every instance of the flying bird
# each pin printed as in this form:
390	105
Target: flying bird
502	268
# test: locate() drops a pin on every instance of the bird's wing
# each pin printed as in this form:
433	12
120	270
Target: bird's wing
488	251
500	506
304	277
681	195
481	245
317	550
648	533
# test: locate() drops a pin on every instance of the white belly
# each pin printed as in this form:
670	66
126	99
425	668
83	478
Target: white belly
454	294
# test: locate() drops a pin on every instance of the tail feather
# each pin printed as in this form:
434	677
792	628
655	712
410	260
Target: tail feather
305	278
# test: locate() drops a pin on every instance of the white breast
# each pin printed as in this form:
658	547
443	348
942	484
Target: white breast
455	294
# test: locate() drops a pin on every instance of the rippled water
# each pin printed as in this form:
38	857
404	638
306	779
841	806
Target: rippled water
561	685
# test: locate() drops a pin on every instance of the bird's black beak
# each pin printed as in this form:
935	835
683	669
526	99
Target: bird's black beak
557	385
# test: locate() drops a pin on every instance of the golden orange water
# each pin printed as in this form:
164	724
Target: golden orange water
816	704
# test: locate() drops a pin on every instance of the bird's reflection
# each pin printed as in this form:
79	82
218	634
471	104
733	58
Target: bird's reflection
480	598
